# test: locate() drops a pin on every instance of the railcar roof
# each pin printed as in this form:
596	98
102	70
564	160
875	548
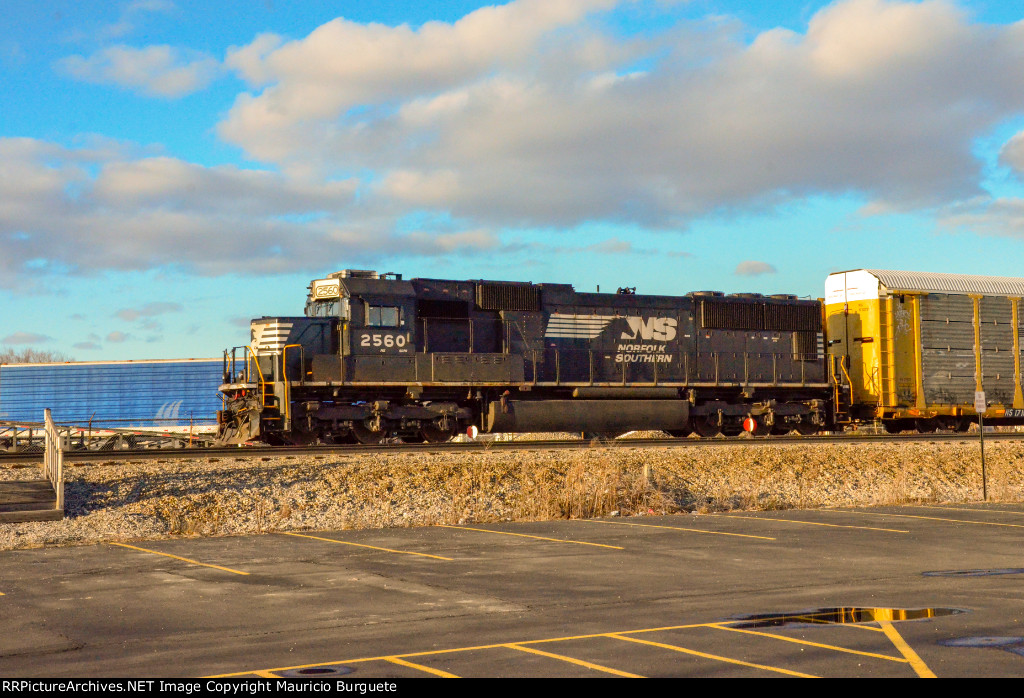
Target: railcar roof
931	282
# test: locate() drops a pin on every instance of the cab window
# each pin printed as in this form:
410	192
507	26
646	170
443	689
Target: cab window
383	316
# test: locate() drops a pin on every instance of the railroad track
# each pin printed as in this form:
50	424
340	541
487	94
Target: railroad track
100	457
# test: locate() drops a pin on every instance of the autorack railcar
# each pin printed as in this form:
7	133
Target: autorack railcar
376	356
919	347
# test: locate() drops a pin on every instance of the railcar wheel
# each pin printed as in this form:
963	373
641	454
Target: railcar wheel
927	426
367	436
705	428
962	426
896	426
433	434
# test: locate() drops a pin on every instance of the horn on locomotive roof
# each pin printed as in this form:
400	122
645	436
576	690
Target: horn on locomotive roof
354	274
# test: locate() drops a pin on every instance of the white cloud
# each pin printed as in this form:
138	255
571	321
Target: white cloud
25	338
132	14
1012	153
465	241
118	337
344	64
148	310
80	211
754	268
161	71
990	216
169	183
520	115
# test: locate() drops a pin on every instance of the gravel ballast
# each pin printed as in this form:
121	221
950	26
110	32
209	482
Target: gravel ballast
142	500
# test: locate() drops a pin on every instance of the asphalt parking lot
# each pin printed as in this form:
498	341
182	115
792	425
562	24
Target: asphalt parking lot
893	591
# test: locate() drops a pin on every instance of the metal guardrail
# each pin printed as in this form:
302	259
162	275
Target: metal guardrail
53	459
31	437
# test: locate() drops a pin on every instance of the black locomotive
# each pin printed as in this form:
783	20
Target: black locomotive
377	357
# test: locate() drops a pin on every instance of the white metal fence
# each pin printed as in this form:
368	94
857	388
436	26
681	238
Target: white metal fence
53	460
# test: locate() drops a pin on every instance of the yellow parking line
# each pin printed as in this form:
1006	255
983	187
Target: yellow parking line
523	535
429	670
573	660
939	518
361	545
623	632
808	523
677	528
994	511
807	642
185	559
705	655
471	648
915	661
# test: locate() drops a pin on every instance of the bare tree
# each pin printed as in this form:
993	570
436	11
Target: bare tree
32	356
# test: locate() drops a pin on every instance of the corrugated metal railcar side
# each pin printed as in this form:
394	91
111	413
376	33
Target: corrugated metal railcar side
114	394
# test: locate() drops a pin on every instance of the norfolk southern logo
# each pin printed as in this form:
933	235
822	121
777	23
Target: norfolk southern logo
564	325
662	329
269	337
642	331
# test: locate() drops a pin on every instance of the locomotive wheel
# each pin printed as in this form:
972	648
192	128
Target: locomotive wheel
434	435
705	428
680	433
781	428
365	435
806	428
732	429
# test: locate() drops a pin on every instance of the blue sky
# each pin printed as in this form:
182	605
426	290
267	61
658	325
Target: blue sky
170	169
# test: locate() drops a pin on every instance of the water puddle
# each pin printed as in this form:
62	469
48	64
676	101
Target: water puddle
839	615
316	672
999	642
975	573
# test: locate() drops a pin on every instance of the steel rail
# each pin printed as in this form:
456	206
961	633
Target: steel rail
83	457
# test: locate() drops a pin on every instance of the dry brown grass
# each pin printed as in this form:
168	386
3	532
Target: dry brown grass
494	485
240	495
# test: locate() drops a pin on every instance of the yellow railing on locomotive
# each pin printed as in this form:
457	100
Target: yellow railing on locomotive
287	409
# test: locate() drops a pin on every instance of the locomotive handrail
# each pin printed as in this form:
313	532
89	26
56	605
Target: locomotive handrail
259	372
287	412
